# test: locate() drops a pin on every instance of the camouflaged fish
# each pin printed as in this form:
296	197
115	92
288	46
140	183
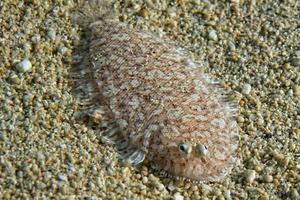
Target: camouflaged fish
155	103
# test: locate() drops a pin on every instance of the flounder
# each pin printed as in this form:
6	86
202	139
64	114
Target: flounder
156	103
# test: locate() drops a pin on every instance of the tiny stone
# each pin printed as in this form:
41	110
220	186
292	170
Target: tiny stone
62	177
91	198
14	79
268	178
19	174
297	53
227	194
206	189
295	194
231	46
24	65
160	187
177	196
55	9
51	34
10	170
36	38
94	168
194	188
2	136
100	181
249	176
296	89
26	46
217	192
145	180
27	98
240	119
281	158
46	174
64	189
246	89
170	187
62	50
213	35
70	197
41	185
40	156
13	181
296	61
138	176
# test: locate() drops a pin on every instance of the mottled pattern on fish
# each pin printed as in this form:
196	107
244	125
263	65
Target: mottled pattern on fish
155	103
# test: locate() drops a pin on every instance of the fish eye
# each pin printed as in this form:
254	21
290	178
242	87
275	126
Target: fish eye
185	147
201	149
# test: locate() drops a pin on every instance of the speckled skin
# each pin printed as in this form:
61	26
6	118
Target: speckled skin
154	97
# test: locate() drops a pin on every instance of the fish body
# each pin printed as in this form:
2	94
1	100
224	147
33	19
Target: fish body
157	104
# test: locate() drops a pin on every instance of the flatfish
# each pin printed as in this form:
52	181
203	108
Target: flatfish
155	102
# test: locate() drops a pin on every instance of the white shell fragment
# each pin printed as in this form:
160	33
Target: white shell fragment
155	106
177	196
213	35
246	89
24	66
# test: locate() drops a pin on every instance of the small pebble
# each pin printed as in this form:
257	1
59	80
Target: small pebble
36	38
40	156
26	46
296	90
2	136
206	189
41	185
72	197
19	174
213	35
170	187
14	79
62	50
177	196
240	119
13	181
281	158
227	194
24	65
295	194
27	98
216	192
267	178
249	176
296	61
46	174
145	180
62	177
91	198
231	46
246	89
160	187
10	169
51	34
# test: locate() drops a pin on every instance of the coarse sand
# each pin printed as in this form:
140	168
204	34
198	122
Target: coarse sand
251	47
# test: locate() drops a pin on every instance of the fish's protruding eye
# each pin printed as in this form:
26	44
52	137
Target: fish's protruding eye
201	149
185	147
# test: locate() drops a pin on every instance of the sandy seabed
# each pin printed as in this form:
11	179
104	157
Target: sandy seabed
251	47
